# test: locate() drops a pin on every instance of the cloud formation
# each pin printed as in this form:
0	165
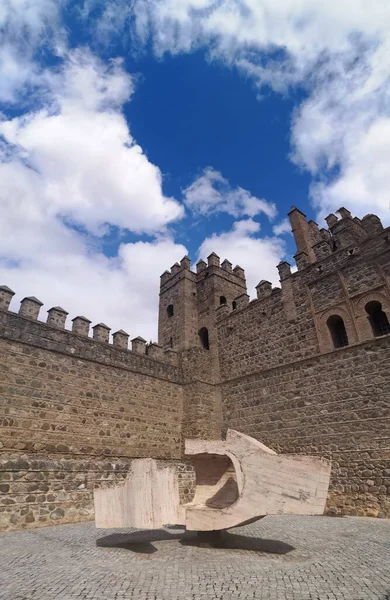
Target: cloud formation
339	52
26	26
212	193
70	171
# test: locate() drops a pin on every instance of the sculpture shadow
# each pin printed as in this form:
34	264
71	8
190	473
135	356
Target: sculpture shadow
233	541
137	541
141	542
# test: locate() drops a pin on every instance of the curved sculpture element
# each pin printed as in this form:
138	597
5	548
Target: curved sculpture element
265	483
237	481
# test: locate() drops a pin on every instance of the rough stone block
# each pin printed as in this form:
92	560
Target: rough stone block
56	317
30	307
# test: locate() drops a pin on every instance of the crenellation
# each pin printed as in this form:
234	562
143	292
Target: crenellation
154	350
81	326
302	260
284	269
138	345
30	307
226	265
171	355
344	213
372	224
264	289
6	295
176	268
185	263
213	260
201	265
120	339
346	231
239	272
331	220
165	277
101	333
56	317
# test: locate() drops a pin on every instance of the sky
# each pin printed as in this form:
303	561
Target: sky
134	132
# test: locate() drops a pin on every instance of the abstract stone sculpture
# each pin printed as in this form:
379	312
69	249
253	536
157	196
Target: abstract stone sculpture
237	481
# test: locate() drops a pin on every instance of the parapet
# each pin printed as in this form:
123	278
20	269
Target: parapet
264	289
314	244
6	295
183	269
56	319
213	265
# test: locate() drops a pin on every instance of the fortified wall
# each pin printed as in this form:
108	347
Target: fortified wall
305	368
75	410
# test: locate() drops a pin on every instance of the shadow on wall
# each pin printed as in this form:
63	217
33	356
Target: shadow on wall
141	542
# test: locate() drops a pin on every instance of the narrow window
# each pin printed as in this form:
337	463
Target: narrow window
222	300
234	305
378	318
170	310
204	338
170	342
337	330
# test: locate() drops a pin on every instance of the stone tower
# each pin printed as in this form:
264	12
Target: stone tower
190	302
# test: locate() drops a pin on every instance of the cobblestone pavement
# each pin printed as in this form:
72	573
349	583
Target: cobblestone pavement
305	558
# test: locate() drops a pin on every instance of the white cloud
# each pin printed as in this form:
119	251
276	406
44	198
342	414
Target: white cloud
282	227
74	160
338	51
90	169
212	193
25	25
345	125
257	255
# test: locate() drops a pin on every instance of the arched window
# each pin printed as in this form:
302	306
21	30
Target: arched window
204	338
170	310
378	318
337	330
222	300
234	305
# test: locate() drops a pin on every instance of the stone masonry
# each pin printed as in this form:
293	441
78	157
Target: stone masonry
305	368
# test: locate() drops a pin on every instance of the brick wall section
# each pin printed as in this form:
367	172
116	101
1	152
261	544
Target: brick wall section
334	405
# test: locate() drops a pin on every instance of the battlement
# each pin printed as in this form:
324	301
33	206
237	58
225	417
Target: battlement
203	269
56	319
315	244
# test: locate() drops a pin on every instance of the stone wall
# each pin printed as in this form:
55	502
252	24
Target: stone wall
75	411
334	405
284	382
201	398
42	489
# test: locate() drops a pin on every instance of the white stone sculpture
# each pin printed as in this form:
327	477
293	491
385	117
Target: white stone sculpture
237	481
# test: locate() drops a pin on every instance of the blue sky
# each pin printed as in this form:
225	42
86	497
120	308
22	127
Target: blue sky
135	131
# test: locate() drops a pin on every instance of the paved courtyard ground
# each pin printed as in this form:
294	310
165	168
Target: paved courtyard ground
305	558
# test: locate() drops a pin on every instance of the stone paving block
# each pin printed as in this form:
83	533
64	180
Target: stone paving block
277	558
